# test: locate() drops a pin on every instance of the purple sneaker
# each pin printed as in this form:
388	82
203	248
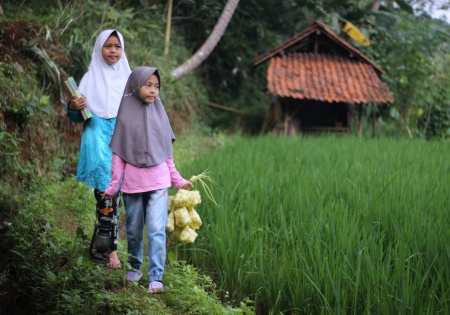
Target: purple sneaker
134	275
156	287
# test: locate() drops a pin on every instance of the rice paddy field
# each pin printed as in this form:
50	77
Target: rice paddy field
327	225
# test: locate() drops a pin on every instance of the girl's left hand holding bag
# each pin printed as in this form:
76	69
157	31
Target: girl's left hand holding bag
187	186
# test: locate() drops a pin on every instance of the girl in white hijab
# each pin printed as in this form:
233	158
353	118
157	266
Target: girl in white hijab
102	88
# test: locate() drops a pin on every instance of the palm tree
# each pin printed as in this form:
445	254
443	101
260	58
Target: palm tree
206	49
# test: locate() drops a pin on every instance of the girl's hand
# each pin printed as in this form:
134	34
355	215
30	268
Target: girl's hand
107	197
187	186
77	103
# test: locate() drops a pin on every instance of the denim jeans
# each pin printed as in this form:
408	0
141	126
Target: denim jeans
151	208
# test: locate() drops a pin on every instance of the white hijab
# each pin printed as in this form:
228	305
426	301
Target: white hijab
103	84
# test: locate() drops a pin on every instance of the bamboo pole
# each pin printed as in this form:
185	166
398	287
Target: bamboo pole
168	26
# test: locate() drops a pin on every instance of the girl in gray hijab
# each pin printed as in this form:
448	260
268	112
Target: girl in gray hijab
143	163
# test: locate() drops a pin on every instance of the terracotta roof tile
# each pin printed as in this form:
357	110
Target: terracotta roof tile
325	77
314	28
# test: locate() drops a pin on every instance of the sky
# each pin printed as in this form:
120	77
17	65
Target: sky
438	14
432	9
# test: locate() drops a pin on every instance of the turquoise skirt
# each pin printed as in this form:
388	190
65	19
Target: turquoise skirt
94	163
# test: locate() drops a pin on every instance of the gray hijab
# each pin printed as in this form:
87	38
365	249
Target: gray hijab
143	135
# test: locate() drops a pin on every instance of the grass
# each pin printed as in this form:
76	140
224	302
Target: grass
328	225
307	225
45	267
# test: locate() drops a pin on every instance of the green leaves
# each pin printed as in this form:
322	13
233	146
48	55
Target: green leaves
412	75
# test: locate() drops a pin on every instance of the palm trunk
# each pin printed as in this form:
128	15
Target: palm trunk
206	49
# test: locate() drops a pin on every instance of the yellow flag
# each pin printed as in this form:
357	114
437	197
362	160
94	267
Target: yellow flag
356	34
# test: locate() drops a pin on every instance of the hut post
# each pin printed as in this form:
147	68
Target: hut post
360	125
350	107
273	114
373	119
277	112
267	119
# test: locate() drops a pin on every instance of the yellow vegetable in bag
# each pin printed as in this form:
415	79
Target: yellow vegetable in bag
183	220
188	235
182	217
196	222
187	198
170	202
170	225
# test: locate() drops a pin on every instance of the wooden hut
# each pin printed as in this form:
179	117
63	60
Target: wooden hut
318	80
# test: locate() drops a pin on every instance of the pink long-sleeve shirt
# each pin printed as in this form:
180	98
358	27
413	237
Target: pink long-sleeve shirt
138	180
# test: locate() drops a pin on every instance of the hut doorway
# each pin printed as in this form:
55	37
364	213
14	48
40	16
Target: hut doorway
316	116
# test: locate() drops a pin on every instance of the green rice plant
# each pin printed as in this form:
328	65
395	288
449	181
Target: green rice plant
328	225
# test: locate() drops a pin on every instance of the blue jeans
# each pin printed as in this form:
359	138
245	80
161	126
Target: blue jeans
151	208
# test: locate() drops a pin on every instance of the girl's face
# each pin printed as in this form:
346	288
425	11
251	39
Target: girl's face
150	90
112	50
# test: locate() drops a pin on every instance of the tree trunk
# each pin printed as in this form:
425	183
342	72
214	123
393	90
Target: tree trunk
375	6
206	49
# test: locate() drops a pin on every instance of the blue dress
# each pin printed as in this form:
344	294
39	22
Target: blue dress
94	163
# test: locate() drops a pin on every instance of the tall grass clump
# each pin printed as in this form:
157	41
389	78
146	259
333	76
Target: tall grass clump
328	225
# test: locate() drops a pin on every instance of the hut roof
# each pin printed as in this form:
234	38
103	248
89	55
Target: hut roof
318	64
327	78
